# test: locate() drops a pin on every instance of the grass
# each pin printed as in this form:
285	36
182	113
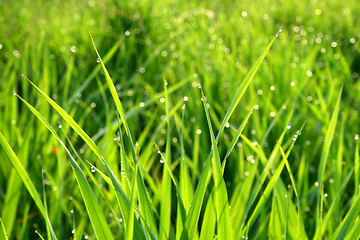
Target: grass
232	159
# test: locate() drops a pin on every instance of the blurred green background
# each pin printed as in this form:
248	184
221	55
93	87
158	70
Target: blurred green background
144	42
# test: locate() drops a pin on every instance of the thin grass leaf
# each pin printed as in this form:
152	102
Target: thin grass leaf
209	220
324	154
261	179
15	162
294	186
245	84
237	136
348	222
130	225
224	230
165	206
194	212
3	235
124	202
96	215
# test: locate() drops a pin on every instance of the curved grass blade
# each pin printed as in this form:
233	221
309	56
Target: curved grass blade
224	229
96	216
143	197
112	90
245	84
194	212
26	180
237	136
124	202
324	155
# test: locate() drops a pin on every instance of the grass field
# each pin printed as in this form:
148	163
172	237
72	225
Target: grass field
179	119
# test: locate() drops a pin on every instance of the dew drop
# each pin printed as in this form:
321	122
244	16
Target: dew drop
73	231
92	169
288	126
166	83
60	126
227	125
295	137
357	137
71	211
161	161
183	106
98	60
326	195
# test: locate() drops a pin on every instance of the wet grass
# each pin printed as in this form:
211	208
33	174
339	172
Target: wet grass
265	148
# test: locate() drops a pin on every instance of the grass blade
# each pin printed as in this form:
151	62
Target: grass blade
224	229
96	216
194	212
121	197
26	180
165	206
245	84
3	235
324	155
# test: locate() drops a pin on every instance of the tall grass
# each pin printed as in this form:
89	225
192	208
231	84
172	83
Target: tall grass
232	159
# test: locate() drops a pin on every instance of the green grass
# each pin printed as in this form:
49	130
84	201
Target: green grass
232	159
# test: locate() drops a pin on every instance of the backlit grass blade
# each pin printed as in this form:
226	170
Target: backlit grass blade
112	90
224	229
194	212
245	84
185	186
143	197
325	153
331	209
15	162
3	235
130	225
96	216
260	181
165	206
12	197
237	136
294	186
121	197
349	221
209	221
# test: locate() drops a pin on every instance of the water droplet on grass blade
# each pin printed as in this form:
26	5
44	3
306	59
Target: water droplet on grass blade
161	161
92	169
357	137
98	60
